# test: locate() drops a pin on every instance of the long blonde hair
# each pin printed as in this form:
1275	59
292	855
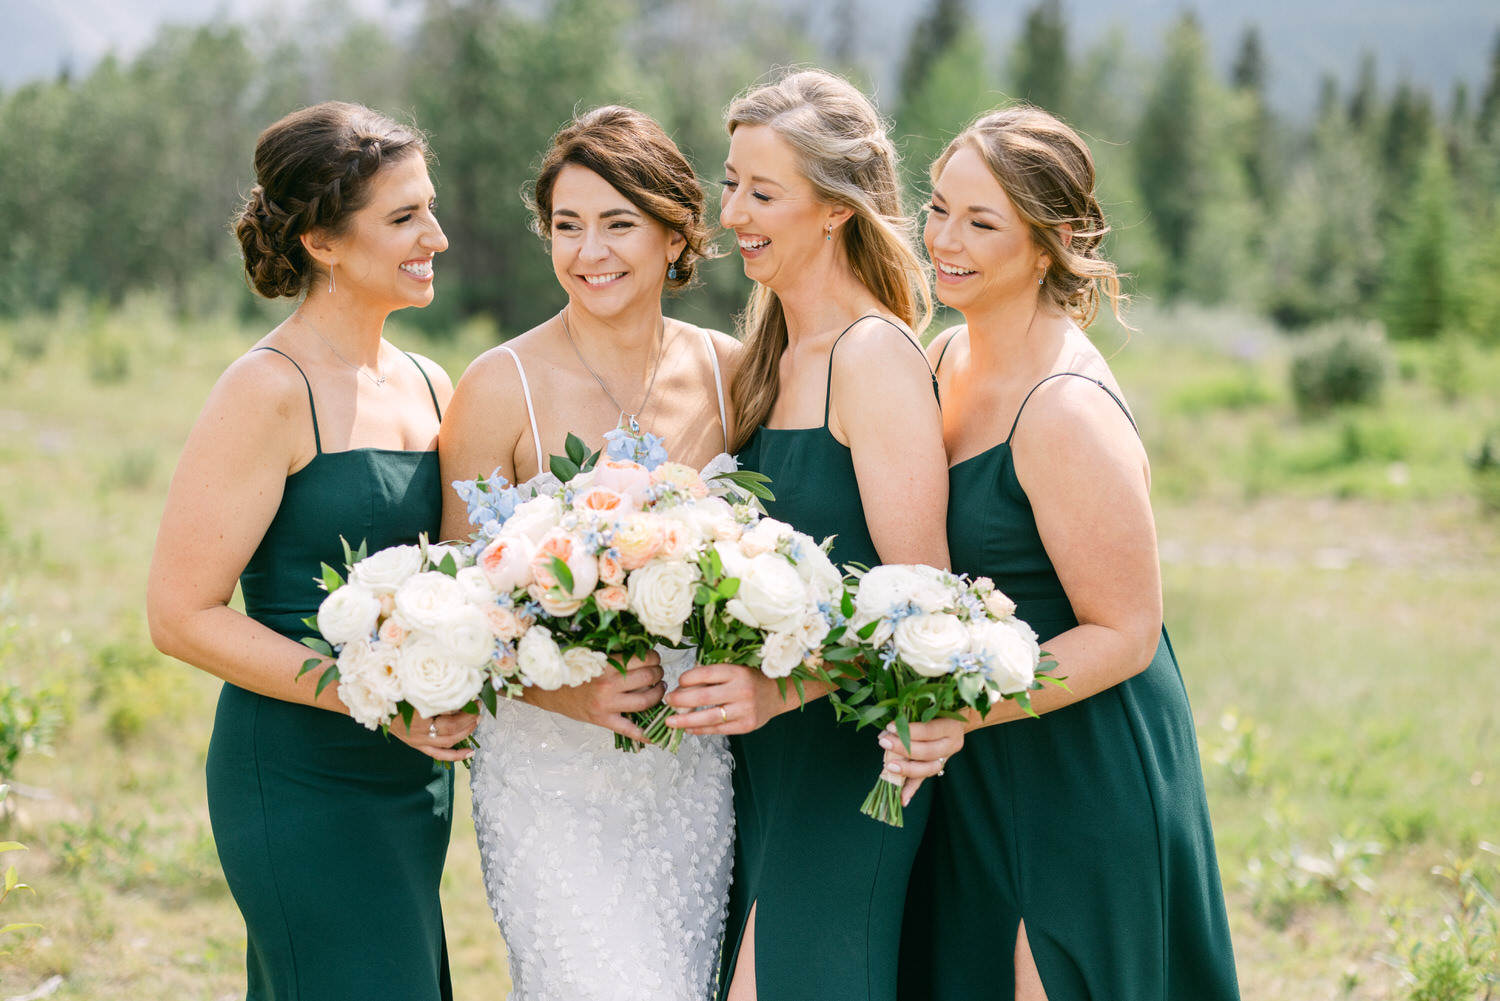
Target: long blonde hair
842	148
1048	173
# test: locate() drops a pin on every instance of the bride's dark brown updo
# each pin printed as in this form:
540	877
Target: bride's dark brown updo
312	172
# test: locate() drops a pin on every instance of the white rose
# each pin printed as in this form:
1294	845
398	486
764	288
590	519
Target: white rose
367	682
348	614
583	665
534	518
714	518
813	630
721	463
733	559
539	660
998	605
467	635
432	680
427	600
506	561
781	653
891	586
764	536
814	567
384	571
929	641
1009	654
661	596
771	595
476	587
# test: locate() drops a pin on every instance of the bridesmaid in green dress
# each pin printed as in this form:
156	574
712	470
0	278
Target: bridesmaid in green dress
834	401
332	837
1068	857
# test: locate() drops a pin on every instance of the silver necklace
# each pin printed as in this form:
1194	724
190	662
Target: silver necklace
661	343
378	378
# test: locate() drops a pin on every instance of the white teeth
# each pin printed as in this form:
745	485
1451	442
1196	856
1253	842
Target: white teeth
602	279
420	269
949	269
753	244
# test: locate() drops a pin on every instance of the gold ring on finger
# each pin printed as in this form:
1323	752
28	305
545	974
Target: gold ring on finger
724	715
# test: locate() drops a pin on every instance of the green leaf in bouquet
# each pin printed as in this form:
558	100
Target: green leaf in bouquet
728	588
903	730
562	573
563	468
577	450
867	630
332	581
489	698
317	643
327	678
408	713
448	565
753	483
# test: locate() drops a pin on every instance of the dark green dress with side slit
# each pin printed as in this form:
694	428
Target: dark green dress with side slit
332	837
1089	823
827	882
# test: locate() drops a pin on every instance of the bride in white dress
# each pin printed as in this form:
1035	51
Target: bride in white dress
608	872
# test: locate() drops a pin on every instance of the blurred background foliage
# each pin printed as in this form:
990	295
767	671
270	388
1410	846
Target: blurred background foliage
1379	203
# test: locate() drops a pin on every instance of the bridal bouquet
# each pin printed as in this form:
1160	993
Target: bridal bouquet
411	631
933	644
769	597
599	557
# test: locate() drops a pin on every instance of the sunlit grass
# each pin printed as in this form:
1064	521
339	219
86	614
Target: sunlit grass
1335	621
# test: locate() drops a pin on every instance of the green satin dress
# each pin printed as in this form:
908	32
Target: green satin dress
1090	823
332	837
827	882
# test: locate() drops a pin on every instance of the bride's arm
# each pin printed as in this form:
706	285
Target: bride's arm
481	433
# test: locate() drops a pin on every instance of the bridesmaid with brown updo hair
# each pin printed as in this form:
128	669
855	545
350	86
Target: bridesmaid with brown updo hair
332	836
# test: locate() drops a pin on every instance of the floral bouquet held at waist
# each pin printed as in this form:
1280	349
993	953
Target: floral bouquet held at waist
933	645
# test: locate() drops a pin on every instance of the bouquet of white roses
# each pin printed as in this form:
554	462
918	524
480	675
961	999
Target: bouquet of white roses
770	598
601	555
933	644
410	631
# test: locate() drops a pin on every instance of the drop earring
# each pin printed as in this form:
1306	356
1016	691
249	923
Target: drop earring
330	279
672	271
828	233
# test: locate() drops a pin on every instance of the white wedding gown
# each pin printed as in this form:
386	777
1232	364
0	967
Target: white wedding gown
608	872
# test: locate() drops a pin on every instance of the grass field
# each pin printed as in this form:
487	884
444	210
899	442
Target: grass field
1331	586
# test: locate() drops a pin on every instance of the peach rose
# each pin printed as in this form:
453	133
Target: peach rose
629	478
637	540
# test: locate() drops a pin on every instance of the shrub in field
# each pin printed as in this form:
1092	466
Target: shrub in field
1460	961
1339	364
12	879
1238	750
28	718
1291	877
1484	461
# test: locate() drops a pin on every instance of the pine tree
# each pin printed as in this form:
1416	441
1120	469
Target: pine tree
1042	70
1424	297
1488	122
932	36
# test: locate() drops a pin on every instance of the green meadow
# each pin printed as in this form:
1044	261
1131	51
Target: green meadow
1332	582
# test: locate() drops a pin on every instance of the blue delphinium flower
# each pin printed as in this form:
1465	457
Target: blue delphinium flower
646	448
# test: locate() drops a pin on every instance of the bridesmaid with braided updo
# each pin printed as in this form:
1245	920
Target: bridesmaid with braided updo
332	836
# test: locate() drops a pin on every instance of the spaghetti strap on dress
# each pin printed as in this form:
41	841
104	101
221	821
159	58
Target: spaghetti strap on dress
332	837
606	872
1089	823
827	882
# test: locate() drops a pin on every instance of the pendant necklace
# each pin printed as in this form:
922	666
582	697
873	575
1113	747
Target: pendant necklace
627	416
378	378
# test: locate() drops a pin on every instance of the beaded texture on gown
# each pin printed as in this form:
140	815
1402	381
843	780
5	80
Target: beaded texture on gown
332	837
1089	823
608	872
